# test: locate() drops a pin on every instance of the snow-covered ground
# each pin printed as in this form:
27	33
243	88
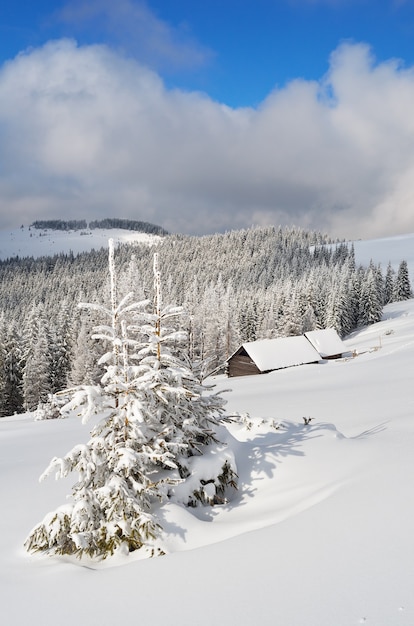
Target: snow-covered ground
387	249
36	242
320	533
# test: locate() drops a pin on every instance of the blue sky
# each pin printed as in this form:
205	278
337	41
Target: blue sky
206	116
235	50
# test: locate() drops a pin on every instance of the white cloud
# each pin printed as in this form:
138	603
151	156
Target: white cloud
87	133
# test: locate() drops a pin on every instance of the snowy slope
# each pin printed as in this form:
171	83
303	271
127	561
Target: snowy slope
35	242
387	250
320	533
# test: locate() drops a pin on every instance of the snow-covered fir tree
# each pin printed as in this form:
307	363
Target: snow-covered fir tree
371	299
389	284
12	396
156	418
36	370
402	286
60	349
85	364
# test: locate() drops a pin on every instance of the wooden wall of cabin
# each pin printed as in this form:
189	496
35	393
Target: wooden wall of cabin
241	365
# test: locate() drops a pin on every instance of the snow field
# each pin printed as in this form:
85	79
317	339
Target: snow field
319	534
26	242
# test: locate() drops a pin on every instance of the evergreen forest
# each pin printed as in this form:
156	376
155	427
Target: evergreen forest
235	287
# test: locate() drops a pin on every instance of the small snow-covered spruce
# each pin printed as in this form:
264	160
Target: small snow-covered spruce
155	417
214	490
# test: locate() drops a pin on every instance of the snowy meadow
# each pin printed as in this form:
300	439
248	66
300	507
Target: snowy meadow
318	534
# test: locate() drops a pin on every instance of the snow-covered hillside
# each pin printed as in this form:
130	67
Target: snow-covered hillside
33	242
387	250
320	533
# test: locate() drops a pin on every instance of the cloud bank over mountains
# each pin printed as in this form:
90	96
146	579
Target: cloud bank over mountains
87	132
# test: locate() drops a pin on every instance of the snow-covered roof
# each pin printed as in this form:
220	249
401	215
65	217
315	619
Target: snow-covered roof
326	342
273	354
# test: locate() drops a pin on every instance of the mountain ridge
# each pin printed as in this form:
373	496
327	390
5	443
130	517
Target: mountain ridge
30	241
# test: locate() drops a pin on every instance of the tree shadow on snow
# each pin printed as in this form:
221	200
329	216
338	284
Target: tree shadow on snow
363	435
259	457
169	526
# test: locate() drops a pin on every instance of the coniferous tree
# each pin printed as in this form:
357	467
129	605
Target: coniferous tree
111	504
13	393
379	278
247	323
157	416
402	287
292	318
60	350
370	310
333	317
319	297
309	321
354	294
85	363
36	377
347	301
389	284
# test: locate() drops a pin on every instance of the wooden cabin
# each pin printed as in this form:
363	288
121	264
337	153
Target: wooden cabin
265	355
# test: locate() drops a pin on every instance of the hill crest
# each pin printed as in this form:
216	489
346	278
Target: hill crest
37	242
